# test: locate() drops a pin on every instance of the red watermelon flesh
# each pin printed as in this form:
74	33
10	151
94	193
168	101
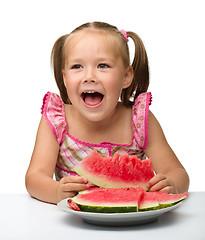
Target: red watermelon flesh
123	200
116	172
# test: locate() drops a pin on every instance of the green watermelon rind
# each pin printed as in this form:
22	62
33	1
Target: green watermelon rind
165	205
149	209
122	209
106	209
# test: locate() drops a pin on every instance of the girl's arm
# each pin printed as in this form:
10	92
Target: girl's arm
39	177
170	174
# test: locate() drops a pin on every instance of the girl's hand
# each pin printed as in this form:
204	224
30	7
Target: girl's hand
161	183
69	186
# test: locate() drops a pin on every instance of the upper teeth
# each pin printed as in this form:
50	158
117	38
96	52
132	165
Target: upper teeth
89	92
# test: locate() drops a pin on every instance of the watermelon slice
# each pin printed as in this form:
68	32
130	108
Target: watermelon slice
116	172
109	200
158	200
122	200
168	200
73	205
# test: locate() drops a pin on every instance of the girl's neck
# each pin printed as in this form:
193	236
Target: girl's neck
115	129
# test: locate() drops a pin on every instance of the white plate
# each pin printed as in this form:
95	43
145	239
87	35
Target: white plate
117	219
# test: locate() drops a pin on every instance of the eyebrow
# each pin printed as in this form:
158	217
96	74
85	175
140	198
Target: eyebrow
100	59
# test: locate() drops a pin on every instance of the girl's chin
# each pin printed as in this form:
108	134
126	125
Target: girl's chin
93	115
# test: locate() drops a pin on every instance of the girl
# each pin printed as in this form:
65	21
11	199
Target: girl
104	106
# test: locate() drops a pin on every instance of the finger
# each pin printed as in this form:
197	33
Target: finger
74	179
67	195
75	187
157	178
159	185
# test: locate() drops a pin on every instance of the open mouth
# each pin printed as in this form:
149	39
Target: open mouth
92	98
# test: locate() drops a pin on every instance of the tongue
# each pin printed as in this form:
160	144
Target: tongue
93	99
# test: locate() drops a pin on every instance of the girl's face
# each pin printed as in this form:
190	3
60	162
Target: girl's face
94	75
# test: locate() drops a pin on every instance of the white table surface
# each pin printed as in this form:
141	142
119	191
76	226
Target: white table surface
22	217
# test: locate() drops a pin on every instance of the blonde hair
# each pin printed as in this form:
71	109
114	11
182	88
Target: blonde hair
140	66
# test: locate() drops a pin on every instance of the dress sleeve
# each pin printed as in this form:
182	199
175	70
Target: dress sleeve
140	118
54	113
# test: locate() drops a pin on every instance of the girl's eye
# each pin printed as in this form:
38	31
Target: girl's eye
103	65
76	66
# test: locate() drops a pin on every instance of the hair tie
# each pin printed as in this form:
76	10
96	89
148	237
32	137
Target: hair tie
124	33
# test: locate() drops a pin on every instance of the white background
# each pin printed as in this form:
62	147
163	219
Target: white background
173	33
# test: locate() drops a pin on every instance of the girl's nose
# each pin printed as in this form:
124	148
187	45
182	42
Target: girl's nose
89	76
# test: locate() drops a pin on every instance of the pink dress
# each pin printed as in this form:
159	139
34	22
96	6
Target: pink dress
73	150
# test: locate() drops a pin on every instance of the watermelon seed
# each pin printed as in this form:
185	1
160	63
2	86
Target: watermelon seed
127	189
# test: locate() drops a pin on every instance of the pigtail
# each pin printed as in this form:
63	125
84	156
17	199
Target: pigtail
57	61
140	66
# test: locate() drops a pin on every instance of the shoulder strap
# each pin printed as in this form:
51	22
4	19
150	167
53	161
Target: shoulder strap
140	111
54	113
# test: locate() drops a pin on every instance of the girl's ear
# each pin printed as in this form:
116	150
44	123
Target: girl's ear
129	75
